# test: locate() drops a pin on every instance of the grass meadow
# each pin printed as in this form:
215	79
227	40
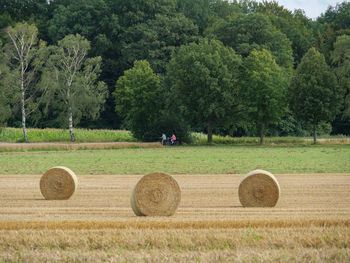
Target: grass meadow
182	160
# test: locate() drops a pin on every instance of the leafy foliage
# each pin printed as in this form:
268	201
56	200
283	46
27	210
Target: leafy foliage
341	58
4	92
156	39
121	32
137	96
265	89
314	93
245	33
204	81
73	79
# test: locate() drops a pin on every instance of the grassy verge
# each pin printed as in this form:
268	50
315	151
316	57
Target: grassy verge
201	139
11	135
182	160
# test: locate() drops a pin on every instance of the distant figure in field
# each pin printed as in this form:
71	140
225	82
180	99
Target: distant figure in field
163	138
173	138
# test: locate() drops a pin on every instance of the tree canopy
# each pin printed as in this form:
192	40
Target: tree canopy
121	32
314	92
265	87
204	81
137	96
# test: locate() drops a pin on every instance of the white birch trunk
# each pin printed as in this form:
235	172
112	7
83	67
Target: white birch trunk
23	105
70	119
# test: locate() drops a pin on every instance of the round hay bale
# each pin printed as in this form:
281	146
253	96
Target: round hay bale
155	194
58	183
259	188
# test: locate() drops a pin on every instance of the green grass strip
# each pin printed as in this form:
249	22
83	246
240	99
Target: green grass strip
182	160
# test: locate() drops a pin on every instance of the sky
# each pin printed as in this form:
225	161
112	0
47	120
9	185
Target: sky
312	8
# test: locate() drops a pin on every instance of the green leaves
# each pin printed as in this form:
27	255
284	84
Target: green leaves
265	87
137	96
245	33
341	59
204	79
314	92
73	79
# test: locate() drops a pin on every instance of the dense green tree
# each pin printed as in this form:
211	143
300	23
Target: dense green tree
4	93
333	23
265	89
341	59
341	62
338	15
204	79
245	33
133	12
21	10
138	98
223	9
90	18
196	10
297	27
314	94
156	40
72	79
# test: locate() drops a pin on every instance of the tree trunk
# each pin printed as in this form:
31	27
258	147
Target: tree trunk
210	132
23	106
262	132
71	125
24	119
314	133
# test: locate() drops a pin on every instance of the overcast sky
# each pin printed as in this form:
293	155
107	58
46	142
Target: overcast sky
312	8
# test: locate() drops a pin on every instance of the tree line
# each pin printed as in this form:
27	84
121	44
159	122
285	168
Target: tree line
238	68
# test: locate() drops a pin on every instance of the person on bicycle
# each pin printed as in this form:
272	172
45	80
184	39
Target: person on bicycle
173	138
163	138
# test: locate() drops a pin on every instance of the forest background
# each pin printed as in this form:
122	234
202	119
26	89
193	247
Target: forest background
238	68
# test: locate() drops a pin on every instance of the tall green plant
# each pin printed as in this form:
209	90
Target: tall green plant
204	82
265	88
138	97
4	91
314	93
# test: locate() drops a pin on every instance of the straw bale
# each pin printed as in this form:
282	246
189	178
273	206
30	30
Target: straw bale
155	194
58	183
259	188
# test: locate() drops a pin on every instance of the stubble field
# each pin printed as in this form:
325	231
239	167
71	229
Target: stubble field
311	222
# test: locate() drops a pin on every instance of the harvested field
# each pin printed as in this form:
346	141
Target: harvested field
204	197
310	223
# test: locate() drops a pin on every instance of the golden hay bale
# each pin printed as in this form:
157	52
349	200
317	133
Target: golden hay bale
58	183
259	188
155	194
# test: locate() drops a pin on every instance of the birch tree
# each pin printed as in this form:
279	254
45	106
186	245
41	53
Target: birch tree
72	78
21	52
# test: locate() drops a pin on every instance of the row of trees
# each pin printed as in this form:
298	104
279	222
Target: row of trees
238	68
62	76
209	83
